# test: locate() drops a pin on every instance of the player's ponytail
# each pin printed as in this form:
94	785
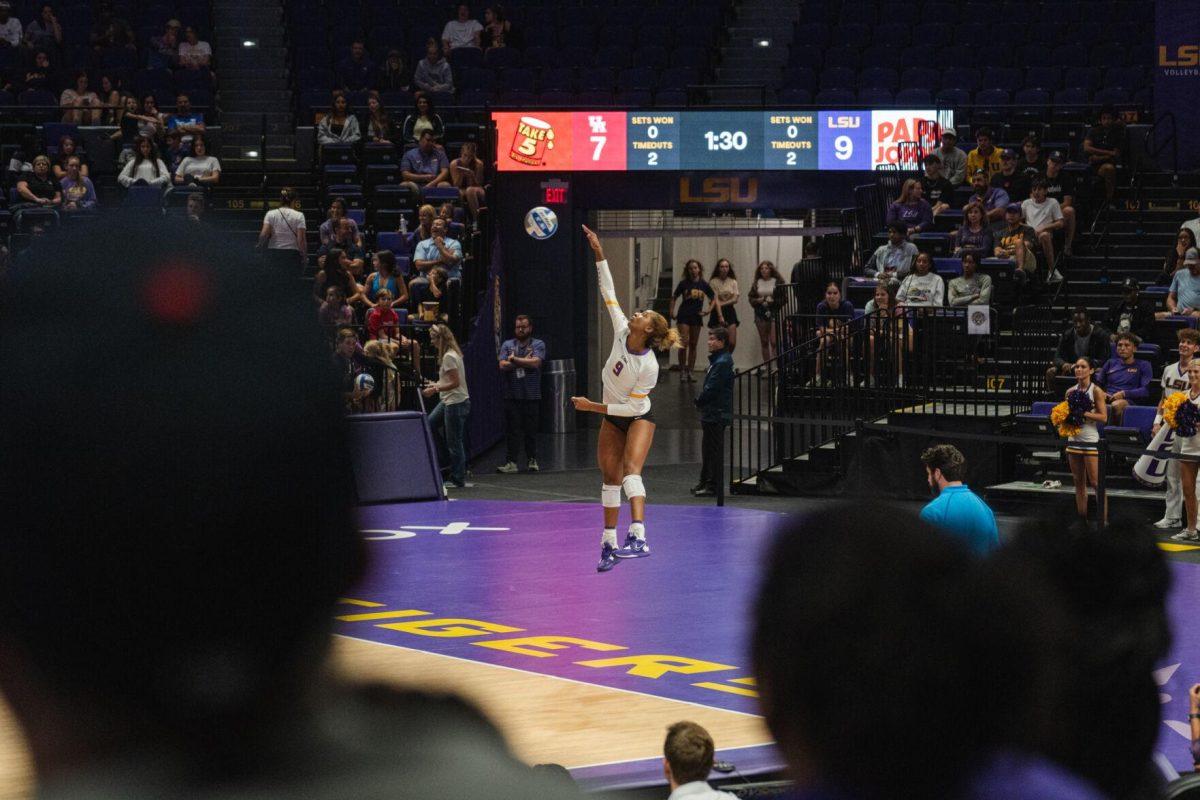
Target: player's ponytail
662	336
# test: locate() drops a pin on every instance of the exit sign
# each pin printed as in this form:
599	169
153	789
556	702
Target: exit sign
554	192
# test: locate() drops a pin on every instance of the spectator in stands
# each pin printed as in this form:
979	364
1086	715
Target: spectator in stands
67	149
1132	313
688	757
433	71
1016	241
127	131
150	121
974	235
394	76
174	152
335	271
937	190
993	199
691	292
423	117
894	260
449	418
1175	379
467	174
195	208
334	311
188	121
81	105
1184	297
834	315
10	26
985	156
1124	378
462	31
923	288
344	241
111	98
37	189
385	276
954	161
145	168
40	76
725	296
955	509
379	122
1103	146
194	52
355	72
163	52
1010	179
337	212
497	29
1185	240
439	250
424	166
521	369
348	364
199	168
45	32
888	329
77	190
1192	225
1082	340
911	208
765	299
425	217
382	319
339	125
1032	164
1044	215
284	236
1060	186
972	287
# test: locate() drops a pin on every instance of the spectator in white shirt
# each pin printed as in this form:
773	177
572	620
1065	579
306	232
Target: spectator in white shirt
10	26
145	168
923	287
687	759
193	52
200	167
1045	216
463	31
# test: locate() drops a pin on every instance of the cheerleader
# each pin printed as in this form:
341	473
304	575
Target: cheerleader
627	427
1189	467
1083	454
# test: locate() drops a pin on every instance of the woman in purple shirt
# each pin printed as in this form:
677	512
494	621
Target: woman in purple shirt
974	235
911	208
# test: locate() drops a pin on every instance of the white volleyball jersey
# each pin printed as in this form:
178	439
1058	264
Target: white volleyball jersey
628	377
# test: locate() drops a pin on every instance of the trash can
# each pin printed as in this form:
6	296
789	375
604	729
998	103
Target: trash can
558	387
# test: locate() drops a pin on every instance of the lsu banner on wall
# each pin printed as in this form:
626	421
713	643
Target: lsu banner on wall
1177	74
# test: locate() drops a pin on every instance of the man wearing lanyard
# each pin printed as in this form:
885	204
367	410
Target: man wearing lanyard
521	364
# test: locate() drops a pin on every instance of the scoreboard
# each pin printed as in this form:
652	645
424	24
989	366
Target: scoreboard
622	141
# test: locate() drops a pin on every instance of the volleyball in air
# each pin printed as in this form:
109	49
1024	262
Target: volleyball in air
541	222
364	382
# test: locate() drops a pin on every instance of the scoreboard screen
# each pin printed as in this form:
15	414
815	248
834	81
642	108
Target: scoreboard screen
623	141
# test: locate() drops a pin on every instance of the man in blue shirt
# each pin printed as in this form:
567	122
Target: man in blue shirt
956	509
439	250
715	402
1184	298
424	165
1125	379
521	368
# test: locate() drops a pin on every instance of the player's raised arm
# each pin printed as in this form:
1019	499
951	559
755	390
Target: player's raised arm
608	292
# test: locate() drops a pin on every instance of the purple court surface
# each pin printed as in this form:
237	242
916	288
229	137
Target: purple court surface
514	584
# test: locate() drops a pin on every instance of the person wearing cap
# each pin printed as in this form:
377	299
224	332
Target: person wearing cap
910	208
1009	178
937	190
1016	241
1184	297
993	199
1103	146
10	26
1045	217
985	156
1060	185
1124	378
894	260
164	50
1132	313
954	161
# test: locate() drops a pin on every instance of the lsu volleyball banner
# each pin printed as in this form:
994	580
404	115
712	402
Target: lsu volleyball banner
1151	471
1177	74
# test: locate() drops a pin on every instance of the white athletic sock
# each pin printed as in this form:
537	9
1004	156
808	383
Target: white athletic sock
609	537
638	530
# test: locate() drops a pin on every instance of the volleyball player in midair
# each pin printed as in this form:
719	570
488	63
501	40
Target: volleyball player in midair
627	429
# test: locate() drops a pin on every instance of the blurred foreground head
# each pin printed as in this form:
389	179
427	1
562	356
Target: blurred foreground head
174	482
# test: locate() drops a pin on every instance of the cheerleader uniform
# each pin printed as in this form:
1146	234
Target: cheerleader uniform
1086	442
1190	445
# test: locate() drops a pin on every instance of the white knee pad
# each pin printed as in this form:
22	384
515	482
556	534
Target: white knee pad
633	486
610	496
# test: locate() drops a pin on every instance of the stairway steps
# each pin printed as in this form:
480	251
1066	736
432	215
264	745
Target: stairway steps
248	99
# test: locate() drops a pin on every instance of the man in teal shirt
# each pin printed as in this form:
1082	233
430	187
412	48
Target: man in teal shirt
956	509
